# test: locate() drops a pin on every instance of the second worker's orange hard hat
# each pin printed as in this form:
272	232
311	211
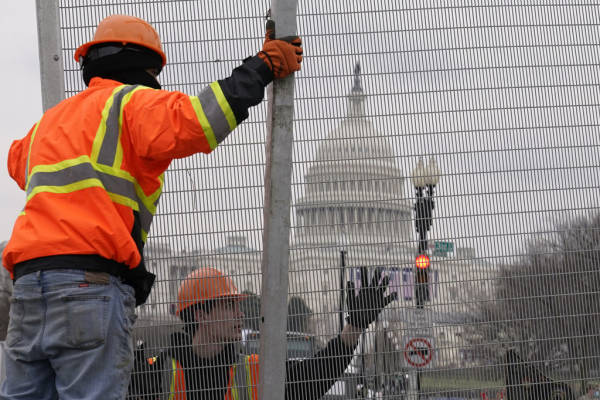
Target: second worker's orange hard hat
124	29
205	284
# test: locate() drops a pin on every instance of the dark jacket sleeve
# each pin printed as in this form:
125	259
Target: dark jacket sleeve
313	377
246	86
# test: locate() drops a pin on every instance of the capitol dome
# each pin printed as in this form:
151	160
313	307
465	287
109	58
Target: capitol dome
354	187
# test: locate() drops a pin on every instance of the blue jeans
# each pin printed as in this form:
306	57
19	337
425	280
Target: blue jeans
69	337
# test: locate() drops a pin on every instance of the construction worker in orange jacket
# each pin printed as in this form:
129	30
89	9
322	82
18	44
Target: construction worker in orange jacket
203	362
92	169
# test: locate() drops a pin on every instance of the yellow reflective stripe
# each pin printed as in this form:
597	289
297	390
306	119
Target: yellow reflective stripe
148	201
172	391
61	165
248	377
73	187
119	173
224	104
119	151
123	200
203	120
120	199
126	201
97	144
153	198
234	392
27	174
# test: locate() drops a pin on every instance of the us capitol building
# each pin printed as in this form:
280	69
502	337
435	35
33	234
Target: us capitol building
354	212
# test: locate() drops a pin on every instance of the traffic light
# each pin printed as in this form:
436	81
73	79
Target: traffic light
422	261
422	280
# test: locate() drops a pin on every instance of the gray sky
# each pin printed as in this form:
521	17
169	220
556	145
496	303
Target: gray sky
21	102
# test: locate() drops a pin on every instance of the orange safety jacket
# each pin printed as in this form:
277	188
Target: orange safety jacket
242	383
95	162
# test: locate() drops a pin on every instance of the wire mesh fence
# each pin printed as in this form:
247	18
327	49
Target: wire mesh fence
462	130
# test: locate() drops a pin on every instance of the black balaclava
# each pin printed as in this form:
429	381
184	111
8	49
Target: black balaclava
128	66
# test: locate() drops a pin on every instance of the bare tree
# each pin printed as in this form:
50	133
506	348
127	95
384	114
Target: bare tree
547	305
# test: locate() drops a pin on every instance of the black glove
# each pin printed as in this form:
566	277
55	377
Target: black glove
365	306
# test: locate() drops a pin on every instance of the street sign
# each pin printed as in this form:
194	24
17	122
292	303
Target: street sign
418	318
418	352
447	247
443	248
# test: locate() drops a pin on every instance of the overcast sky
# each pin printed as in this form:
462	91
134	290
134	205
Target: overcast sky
20	103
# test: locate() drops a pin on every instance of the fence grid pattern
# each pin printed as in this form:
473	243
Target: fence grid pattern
502	96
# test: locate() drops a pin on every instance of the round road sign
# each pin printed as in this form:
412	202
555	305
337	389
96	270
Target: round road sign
418	352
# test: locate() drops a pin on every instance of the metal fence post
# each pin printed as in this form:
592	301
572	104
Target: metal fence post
51	63
275	264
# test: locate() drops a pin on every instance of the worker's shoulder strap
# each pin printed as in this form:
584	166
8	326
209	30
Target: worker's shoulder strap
173	379
245	378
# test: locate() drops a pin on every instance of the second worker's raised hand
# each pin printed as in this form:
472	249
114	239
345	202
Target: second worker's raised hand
283	55
365	306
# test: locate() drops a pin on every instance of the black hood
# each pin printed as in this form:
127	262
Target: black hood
128	66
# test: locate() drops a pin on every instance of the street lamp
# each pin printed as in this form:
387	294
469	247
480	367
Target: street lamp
424	179
342	243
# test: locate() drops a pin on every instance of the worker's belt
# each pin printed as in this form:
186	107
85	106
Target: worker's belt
85	262
139	278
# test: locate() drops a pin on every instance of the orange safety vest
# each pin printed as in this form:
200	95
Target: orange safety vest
242	384
177	381
97	159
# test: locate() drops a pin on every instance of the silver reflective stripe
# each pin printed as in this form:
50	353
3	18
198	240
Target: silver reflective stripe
110	143
80	172
214	114
108	150
145	217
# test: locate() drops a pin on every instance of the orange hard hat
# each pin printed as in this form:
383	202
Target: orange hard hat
205	284
126	30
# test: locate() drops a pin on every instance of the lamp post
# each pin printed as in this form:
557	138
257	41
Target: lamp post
342	242
424	180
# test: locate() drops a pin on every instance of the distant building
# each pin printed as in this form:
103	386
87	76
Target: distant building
159	259
239	261
354	202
